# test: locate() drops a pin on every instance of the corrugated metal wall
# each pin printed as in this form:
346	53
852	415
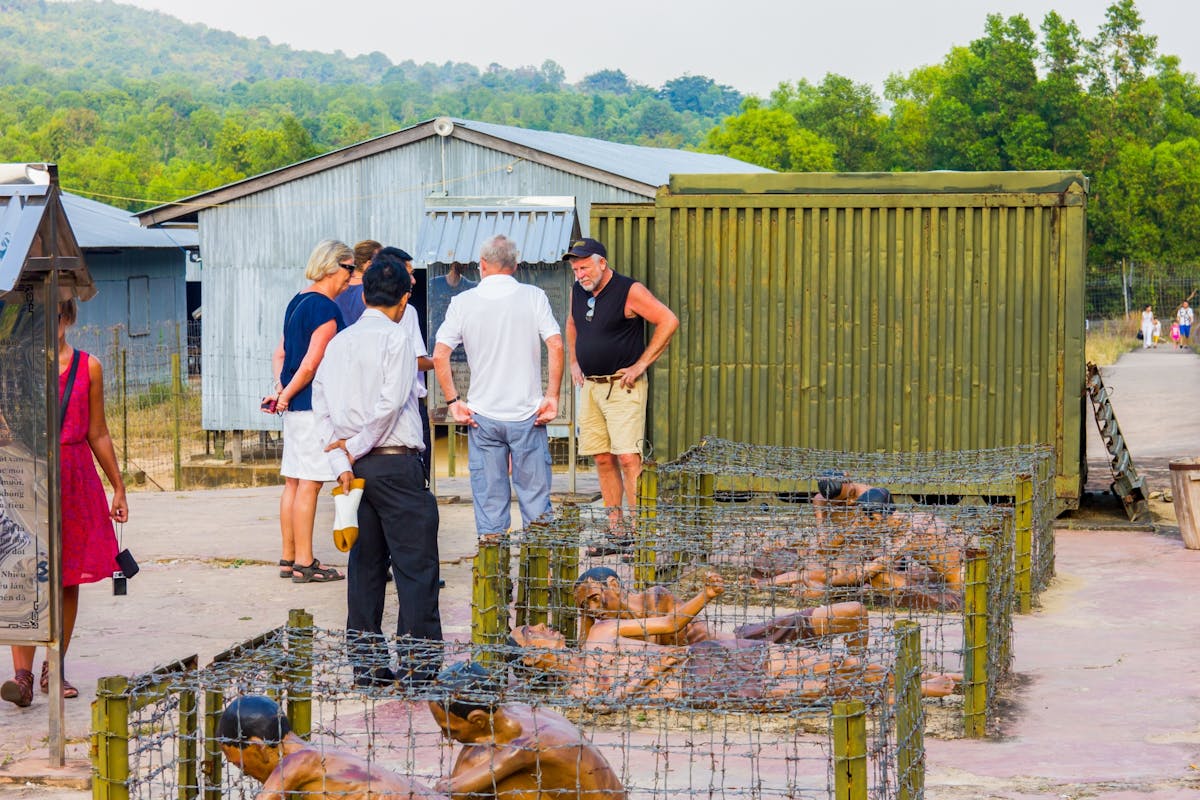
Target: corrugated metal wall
873	313
255	248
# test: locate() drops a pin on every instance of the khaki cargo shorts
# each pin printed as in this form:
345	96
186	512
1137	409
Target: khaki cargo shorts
612	419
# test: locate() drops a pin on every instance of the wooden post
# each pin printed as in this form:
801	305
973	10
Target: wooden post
124	414
646	543
975	645
707	500
110	751
564	570
850	750
910	719
189	734
214	705
177	404
489	607
299	678
533	576
451	447
1023	524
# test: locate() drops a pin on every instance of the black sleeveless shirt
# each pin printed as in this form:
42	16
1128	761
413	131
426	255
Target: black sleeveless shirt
609	341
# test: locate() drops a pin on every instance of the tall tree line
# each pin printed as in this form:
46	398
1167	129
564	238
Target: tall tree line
1014	99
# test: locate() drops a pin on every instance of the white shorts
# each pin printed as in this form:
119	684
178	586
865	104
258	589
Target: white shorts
304	454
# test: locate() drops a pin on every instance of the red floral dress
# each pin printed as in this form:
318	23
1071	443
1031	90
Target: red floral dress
89	547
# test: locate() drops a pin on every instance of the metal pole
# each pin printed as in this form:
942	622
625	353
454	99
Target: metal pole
124	413
111	757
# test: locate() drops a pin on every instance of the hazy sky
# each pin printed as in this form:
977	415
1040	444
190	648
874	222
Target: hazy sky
751	45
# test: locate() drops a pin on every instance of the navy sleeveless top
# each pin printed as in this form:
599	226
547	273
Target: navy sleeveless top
609	341
307	312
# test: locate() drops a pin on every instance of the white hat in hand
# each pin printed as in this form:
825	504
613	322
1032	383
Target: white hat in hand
345	514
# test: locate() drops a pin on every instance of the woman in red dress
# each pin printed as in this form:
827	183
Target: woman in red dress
89	547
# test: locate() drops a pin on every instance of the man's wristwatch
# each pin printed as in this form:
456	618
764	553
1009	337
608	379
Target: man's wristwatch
452	401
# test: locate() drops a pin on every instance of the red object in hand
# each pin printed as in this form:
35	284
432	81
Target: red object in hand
269	404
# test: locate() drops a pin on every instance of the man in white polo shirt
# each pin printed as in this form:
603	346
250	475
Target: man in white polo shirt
501	324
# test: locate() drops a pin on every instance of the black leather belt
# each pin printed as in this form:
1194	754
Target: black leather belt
394	450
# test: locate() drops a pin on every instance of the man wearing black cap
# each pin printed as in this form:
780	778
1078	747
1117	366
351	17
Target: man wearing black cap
606	340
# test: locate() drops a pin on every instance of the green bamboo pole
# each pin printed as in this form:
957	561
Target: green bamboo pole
564	565
646	547
115	691
189	733
1023	512
214	705
533	579
489	610
975	645
177	397
707	485
110	756
850	750
910	720
299	679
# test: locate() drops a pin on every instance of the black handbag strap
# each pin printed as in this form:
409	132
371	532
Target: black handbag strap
66	398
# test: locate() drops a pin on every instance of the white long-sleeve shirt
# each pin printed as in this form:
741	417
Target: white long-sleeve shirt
365	390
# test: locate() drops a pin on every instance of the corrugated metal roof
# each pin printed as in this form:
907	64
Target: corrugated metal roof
649	165
34	226
630	167
454	228
98	225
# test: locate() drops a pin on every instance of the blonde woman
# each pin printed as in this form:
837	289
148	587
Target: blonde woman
311	320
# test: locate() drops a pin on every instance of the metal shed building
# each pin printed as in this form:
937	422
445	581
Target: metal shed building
256	234
140	276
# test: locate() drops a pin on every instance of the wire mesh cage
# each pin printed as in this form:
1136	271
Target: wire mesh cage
161	734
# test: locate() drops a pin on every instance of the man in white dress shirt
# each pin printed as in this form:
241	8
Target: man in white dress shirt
365	398
501	324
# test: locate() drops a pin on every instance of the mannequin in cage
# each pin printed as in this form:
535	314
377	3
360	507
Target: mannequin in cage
835	491
912	561
514	751
618	662
599	594
257	738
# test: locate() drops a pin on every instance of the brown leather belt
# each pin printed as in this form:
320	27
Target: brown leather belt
395	450
602	378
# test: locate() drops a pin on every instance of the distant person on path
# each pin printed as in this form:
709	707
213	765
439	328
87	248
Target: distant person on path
350	300
514	751
257	738
311	320
1157	332
1147	327
89	546
606	340
365	399
1176	334
1186	317
501	324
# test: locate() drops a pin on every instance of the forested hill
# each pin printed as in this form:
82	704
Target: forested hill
139	108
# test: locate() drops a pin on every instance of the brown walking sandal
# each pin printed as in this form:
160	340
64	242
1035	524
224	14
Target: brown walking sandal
69	691
315	573
19	691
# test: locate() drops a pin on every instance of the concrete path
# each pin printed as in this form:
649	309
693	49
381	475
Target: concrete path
1106	702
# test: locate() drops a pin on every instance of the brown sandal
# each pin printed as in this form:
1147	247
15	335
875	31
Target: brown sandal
69	691
19	691
315	573
285	568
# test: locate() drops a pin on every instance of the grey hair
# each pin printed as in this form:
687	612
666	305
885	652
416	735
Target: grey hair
501	251
326	258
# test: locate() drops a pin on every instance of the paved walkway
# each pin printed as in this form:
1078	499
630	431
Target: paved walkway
1106	703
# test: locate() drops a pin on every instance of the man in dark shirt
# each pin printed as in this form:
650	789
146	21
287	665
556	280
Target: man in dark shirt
606	339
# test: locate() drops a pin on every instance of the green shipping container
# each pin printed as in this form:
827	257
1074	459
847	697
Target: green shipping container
887	312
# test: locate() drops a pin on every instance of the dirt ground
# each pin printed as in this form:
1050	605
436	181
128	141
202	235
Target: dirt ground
1105	702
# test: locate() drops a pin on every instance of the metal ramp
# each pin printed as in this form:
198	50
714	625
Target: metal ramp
1127	484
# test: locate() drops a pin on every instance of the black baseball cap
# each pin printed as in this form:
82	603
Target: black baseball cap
582	248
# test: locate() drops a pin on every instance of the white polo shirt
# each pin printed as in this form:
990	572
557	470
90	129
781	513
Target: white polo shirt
501	324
